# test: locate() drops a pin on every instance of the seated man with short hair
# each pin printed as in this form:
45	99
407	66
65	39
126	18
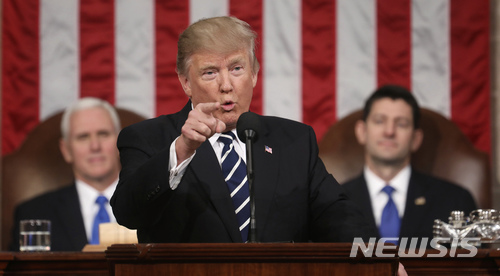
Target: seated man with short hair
89	130
396	199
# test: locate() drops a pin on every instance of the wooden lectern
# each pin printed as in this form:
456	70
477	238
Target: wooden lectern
245	259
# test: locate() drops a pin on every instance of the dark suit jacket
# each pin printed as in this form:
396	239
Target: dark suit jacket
62	208
296	199
439	198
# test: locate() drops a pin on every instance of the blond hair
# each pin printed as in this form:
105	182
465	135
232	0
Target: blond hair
223	34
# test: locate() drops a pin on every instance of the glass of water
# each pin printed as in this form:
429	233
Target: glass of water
34	235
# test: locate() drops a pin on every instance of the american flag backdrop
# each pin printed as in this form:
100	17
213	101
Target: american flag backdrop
319	58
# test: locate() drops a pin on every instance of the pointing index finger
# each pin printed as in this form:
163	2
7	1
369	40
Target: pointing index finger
208	108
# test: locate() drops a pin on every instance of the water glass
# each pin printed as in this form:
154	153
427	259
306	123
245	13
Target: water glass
34	235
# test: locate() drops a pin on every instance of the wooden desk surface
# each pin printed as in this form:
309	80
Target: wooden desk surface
290	258
485	262
53	263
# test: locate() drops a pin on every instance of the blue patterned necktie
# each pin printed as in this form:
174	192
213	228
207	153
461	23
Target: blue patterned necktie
390	223
101	217
235	174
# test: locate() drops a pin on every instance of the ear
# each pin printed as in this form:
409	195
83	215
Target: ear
418	137
186	85
360	131
254	78
66	153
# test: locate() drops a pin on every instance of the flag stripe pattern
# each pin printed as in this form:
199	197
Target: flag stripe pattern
319	59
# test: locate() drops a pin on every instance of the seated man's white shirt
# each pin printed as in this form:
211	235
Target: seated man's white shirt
177	171
379	199
87	196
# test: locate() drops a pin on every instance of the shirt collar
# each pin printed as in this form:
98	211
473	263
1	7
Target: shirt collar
87	191
214	139
400	182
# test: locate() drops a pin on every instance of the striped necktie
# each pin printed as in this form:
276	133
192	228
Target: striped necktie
101	217
390	222
235	175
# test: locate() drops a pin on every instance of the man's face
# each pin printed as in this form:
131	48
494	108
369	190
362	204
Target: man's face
224	78
388	134
91	146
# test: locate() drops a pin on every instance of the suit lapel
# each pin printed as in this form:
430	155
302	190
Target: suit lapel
362	197
415	209
207	169
266	167
206	166
69	206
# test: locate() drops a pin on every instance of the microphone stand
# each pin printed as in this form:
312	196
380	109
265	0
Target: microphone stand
250	134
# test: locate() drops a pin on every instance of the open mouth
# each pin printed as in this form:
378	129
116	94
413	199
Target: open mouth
228	106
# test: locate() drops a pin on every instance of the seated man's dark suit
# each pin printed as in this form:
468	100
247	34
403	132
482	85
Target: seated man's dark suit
428	198
62	208
296	199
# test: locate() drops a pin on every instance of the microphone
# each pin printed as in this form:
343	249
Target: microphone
247	127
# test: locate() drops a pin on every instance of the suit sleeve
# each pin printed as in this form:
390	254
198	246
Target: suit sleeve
143	187
334	217
14	243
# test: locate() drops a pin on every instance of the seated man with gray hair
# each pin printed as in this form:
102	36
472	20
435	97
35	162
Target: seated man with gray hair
89	130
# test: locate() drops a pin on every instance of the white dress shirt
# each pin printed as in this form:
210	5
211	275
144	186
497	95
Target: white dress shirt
379	198
87	196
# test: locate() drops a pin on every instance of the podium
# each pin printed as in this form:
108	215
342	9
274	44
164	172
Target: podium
245	259
242	259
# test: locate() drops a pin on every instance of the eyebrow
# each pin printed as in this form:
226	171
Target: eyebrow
82	135
397	118
238	59
210	66
231	62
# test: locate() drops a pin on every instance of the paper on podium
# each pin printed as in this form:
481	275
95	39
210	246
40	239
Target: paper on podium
112	233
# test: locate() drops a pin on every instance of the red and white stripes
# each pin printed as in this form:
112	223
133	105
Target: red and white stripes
319	58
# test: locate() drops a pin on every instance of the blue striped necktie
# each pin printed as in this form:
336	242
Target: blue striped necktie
235	174
101	217
390	222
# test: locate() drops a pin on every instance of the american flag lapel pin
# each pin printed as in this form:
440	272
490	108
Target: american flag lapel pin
268	149
420	201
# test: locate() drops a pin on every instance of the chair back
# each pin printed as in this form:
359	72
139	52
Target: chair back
38	167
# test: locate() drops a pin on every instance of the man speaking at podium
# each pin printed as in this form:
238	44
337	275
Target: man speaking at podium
183	176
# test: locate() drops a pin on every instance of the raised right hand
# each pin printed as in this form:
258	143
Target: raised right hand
199	126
